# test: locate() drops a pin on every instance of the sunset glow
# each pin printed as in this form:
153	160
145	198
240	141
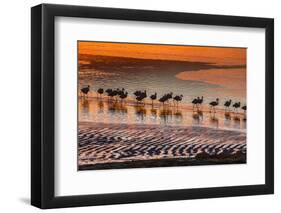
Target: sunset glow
217	55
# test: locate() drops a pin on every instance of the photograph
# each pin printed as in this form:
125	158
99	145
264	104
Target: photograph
140	105
160	105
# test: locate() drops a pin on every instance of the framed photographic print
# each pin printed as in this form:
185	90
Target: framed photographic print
139	106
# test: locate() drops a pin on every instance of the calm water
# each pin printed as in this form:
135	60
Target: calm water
154	78
92	109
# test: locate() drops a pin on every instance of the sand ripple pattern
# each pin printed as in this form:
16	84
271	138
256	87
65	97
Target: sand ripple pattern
107	143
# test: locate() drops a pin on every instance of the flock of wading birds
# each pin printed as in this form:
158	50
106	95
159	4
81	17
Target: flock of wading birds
140	96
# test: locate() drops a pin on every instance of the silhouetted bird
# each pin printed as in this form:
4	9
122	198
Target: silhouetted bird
112	93
85	90
137	93
139	99
214	121
195	102
213	104
169	96
200	101
123	95
144	94
117	92
178	98
100	91
108	91
153	97
141	96
236	105
244	108
120	92
227	104
163	99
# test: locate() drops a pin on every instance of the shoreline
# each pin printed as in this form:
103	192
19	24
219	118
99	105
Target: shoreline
94	123
161	163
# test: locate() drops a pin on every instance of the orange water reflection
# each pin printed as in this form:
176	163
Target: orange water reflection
232	82
95	110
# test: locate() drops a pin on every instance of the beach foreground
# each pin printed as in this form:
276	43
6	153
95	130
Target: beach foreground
110	146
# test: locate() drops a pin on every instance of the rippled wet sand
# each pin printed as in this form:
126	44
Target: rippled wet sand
104	146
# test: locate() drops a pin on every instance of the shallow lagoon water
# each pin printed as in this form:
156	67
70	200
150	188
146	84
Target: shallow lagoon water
102	110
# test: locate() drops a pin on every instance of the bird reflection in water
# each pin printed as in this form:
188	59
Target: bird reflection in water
245	109
227	119
178	116
140	112
197	117
100	106
153	113
214	121
85	105
115	107
165	115
236	120
244	123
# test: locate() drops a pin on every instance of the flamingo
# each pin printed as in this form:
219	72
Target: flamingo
213	104
144	94
100	91
163	99
236	106
178	98
112	93
108	91
200	101
123	96
85	90
195	102
227	104
153	97
169	96
120	92
244	108
117	92
141	96
137	93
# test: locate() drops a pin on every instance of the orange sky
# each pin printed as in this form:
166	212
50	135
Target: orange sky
217	55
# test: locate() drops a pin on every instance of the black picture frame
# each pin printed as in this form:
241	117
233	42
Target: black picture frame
43	105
